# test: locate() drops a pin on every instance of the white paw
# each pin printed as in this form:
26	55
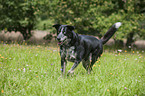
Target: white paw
70	72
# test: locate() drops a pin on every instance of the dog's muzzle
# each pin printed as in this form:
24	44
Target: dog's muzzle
61	38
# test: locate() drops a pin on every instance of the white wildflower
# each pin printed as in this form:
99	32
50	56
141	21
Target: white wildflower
24	70
119	50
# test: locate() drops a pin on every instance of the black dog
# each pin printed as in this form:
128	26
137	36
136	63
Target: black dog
77	48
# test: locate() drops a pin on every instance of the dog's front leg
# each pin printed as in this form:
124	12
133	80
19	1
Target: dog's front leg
79	57
73	67
63	59
63	66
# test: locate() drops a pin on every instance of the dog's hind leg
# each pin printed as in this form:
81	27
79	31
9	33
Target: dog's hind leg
95	56
86	64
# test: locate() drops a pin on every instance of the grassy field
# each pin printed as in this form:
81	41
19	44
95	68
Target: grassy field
35	71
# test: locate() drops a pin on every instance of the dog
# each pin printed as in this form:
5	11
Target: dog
80	48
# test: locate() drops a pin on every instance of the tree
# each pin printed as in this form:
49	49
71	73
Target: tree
94	17
18	15
134	10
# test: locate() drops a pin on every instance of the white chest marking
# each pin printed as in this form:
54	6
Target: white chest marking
69	54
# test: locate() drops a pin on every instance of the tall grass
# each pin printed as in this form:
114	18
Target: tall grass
35	70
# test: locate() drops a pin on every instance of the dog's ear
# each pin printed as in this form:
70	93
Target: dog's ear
56	26
71	27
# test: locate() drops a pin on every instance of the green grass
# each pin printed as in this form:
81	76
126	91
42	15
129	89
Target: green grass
35	71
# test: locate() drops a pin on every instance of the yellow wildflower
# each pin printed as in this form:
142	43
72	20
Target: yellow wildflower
2	57
2	91
94	65
108	90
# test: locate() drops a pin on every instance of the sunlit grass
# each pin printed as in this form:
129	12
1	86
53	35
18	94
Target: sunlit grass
35	70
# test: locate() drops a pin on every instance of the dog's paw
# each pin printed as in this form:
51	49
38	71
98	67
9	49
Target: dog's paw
70	73
117	25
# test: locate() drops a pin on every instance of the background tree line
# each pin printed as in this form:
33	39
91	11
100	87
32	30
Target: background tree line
92	17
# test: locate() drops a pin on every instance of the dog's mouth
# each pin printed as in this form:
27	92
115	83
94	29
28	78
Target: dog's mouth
64	42
61	42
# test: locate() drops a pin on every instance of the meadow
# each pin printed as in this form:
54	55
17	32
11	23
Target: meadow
34	70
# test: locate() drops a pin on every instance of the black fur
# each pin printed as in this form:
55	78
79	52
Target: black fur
77	48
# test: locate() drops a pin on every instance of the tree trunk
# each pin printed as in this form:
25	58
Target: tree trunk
130	39
27	34
26	31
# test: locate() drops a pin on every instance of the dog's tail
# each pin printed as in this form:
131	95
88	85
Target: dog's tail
110	32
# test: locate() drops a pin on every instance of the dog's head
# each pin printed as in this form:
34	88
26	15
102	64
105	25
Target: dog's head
64	33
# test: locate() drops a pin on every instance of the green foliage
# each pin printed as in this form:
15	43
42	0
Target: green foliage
45	25
96	16
35	70
18	15
92	17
